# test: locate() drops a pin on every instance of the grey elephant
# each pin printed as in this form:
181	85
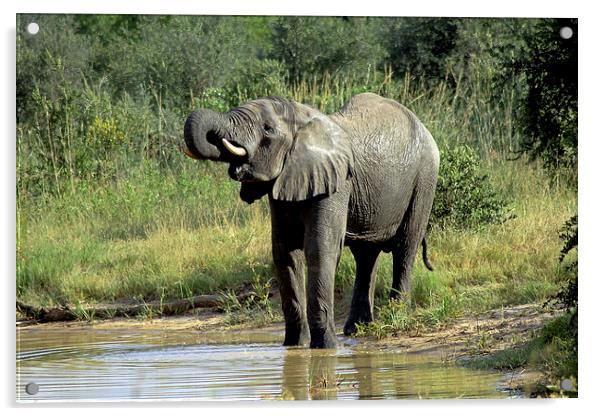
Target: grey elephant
363	177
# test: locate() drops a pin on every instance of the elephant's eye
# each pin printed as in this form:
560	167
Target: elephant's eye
268	129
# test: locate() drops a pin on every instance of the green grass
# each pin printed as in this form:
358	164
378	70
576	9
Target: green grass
257	309
153	235
508	359
146	236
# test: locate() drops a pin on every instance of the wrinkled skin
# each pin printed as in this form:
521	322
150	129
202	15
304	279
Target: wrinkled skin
363	177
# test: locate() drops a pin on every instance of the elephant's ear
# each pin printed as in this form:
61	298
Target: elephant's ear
319	163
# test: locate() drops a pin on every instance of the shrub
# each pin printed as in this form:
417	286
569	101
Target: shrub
566	297
558	340
48	61
465	197
548	119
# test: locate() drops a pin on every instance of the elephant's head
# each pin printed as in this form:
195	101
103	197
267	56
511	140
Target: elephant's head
273	145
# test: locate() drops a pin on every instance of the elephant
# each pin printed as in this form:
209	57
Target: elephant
363	177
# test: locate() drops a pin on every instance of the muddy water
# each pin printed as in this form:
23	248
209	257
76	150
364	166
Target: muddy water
98	365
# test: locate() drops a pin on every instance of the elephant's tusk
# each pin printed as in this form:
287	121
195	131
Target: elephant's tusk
235	150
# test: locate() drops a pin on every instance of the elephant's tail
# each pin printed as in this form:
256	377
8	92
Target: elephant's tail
427	263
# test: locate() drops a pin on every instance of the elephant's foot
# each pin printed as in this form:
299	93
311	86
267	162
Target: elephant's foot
399	295
356	317
296	334
323	338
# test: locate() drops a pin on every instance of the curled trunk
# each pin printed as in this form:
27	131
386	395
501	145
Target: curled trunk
203	133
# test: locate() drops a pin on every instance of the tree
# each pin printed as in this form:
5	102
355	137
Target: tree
549	113
420	46
313	46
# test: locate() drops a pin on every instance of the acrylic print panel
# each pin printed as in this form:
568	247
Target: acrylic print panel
394	212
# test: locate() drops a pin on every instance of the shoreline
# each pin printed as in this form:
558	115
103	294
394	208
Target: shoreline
462	342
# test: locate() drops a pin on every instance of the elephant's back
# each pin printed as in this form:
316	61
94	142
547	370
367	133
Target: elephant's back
389	145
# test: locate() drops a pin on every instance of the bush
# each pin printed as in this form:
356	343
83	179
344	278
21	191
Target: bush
47	61
559	338
548	119
464	196
568	295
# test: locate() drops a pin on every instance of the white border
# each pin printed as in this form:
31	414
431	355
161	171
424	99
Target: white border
589	169
459	8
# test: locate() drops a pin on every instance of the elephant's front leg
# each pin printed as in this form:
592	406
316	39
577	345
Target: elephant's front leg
324	237
289	259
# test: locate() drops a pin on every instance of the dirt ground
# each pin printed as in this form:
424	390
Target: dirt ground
495	330
478	336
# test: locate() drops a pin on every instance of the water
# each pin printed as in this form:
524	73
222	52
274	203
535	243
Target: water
88	364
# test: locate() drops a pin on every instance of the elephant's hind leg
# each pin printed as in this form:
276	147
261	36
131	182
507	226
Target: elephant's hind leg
409	237
362	302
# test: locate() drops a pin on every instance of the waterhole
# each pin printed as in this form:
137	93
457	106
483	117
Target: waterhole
114	365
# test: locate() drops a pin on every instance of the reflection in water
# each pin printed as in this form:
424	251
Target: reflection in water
91	364
323	383
368	384
309	374
295	376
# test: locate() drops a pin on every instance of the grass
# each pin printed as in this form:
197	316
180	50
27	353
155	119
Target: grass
147	236
508	359
257	309
552	350
109	210
152	236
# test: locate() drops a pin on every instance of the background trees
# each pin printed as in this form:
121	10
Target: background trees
180	60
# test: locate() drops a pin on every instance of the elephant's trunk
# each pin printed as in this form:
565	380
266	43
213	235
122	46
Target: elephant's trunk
203	134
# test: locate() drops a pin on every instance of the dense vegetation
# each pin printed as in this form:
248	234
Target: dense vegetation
108	208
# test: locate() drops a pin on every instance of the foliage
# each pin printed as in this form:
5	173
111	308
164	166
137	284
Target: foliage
559	338
109	28
567	297
549	113
421	45
568	235
49	61
317	45
465	197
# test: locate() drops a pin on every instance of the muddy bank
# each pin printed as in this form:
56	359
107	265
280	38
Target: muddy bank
473	338
504	327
